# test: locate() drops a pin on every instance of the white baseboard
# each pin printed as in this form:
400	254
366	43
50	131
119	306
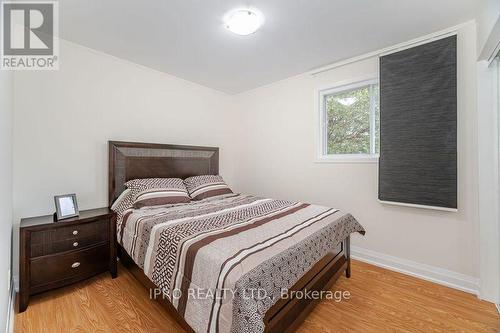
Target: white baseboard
430	273
9	328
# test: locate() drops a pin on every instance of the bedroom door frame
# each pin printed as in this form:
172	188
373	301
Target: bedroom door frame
488	136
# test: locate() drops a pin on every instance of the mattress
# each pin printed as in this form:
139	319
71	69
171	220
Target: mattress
224	261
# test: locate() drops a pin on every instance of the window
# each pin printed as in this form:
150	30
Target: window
350	122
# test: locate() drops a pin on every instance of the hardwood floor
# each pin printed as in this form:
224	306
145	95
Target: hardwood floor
381	301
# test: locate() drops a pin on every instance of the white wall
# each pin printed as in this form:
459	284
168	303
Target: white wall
277	158
6	109
64	119
488	28
488	37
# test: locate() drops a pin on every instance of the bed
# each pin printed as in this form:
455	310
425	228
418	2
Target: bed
228	263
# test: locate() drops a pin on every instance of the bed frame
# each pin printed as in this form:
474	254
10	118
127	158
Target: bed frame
130	160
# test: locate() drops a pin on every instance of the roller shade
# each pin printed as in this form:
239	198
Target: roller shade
418	125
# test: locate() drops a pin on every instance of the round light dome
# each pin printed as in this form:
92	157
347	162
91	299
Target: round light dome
243	21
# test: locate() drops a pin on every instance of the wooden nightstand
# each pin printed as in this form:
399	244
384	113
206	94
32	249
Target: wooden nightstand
55	254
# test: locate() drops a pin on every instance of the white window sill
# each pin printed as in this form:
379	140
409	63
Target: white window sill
347	159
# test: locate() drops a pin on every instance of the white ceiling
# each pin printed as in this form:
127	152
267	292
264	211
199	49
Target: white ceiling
186	38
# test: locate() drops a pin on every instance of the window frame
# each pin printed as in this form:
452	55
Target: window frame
321	155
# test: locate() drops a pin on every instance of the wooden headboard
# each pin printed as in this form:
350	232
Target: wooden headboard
134	160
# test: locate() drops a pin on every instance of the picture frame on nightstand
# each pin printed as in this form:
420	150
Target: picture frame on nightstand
66	207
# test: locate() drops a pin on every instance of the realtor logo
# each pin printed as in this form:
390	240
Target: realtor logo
28	35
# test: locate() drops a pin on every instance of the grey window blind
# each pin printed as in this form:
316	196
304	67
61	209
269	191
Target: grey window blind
418	125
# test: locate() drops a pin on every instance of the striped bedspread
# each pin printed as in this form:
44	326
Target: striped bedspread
223	261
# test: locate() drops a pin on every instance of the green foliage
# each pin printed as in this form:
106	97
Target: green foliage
348	116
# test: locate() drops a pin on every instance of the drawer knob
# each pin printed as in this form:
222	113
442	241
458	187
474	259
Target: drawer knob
75	244
75	264
75	232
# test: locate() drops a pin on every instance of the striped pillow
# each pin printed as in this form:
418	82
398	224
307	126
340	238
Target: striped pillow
201	187
123	202
158	191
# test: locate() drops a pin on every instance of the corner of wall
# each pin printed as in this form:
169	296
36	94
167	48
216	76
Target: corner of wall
6	167
488	29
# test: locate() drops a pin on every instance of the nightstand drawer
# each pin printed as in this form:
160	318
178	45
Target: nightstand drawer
70	266
68	238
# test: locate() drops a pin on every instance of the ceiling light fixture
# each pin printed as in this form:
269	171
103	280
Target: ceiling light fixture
243	21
